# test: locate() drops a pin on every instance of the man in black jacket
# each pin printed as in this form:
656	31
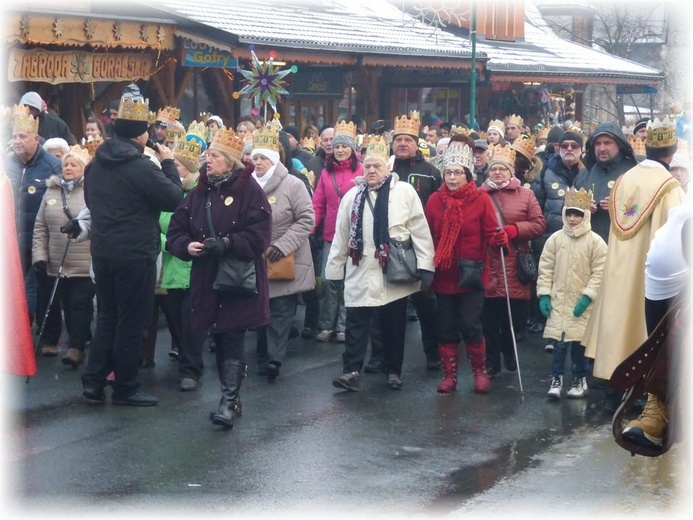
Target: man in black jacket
49	125
411	166
125	192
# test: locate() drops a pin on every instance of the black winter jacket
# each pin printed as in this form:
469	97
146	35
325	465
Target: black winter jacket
125	192
423	176
52	126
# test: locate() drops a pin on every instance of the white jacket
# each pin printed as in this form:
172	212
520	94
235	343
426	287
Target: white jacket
365	284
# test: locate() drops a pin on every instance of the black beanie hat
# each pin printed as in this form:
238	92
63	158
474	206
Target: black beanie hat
290	129
129	129
642	123
554	134
571	136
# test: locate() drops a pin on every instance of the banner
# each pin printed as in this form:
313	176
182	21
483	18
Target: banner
77	66
199	54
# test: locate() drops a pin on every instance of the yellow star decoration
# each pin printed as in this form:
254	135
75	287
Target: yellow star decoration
143	32
58	27
118	31
24	26
89	28
161	34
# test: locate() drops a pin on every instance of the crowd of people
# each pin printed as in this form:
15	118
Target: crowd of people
481	236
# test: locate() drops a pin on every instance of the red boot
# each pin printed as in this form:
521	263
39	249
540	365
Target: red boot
476	352
449	355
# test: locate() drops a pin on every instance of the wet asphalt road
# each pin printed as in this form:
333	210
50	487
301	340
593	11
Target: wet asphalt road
304	447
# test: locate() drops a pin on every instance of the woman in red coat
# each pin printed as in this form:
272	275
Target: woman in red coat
463	225
522	219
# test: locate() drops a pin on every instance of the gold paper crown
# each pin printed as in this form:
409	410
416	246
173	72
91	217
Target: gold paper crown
168	114
497	124
366	140
274	122
456	130
81	153
228	143
543	133
637	144
526	147
136	109
175	130
577	199
308	143
204	117
198	129
408	125
267	137
458	154
575	127
23	121
378	147
92	144
502	153
482	135
661	133
347	128
151	118
187	150
516	120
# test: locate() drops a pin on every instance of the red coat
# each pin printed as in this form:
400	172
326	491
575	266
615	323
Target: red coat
477	230
520	207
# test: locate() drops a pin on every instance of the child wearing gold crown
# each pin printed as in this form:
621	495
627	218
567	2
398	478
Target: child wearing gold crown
570	273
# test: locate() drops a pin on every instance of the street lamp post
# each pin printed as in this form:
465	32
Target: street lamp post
472	79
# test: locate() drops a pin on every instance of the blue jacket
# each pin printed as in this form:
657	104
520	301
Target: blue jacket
28	187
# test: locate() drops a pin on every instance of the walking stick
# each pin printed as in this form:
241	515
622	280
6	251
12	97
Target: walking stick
50	300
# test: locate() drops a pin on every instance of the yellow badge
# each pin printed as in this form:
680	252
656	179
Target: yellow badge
272	199
51	202
555	185
228	201
561	193
610	184
31	190
527	185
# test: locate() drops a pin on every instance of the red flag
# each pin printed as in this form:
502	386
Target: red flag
15	330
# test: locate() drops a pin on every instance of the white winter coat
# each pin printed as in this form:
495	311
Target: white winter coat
571	265
365	284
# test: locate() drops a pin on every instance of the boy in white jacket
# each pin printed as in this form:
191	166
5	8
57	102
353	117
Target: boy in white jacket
570	272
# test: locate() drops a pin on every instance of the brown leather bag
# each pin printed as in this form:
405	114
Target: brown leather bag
653	368
283	269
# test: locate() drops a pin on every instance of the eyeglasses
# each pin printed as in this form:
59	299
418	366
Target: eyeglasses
572	146
454	173
499	169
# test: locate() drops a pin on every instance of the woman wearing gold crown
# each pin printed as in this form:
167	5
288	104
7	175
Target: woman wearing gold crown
463	224
521	218
63	200
241	218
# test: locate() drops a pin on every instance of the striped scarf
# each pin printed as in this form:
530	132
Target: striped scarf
381	235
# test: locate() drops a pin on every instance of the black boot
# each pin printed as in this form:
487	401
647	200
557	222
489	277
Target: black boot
231	373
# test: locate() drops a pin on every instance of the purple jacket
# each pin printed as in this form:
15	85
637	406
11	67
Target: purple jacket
241	212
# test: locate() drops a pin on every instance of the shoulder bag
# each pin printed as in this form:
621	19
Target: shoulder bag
284	269
234	276
527	270
470	273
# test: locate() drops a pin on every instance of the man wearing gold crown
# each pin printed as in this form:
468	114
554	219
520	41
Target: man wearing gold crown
125	192
425	178
639	203
514	128
372	216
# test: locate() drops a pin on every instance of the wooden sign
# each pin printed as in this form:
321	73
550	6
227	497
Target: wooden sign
77	66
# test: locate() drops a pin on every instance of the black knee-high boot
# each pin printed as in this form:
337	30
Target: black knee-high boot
231	374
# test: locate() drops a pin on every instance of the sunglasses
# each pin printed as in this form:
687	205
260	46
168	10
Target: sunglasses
571	146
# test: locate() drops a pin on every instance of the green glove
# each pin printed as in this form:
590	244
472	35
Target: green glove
545	305
582	305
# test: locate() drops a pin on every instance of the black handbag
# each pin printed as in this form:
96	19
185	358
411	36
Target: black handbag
527	269
234	276
470	273
401	263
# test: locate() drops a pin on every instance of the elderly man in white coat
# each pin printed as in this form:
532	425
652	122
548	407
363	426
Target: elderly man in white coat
371	214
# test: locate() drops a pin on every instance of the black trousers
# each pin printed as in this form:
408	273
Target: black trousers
75	298
190	363
496	326
425	304
460	315
125	292
393	316
655	310
161	301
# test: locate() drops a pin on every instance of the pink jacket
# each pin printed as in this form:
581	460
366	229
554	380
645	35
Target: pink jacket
326	200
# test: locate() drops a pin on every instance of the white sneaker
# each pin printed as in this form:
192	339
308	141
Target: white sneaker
578	389
325	336
555	390
548	347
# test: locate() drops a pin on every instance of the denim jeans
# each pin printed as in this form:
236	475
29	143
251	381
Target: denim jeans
577	356
332	309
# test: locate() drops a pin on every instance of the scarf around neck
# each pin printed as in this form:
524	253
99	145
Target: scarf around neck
381	235
68	186
453	219
216	180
